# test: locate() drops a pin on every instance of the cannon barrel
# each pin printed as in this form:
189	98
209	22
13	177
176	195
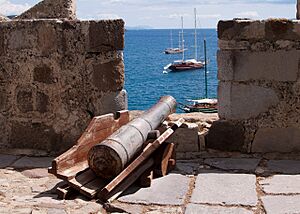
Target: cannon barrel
108	158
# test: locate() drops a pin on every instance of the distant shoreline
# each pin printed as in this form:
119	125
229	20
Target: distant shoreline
136	28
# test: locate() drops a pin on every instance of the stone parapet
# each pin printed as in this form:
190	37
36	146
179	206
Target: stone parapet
259	78
54	76
49	9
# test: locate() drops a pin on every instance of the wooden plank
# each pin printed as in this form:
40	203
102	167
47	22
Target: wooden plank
82	178
150	148
146	178
166	157
171	165
116	192
74	160
93	187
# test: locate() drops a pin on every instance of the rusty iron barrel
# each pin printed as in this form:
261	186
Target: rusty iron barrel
108	158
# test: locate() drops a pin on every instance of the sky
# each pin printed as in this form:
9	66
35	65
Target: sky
167	13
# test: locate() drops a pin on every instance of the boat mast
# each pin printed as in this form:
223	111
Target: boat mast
205	72
182	38
171	39
179	40
195	13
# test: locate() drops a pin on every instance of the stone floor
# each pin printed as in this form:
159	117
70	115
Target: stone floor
212	184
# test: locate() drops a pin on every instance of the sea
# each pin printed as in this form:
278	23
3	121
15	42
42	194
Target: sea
145	60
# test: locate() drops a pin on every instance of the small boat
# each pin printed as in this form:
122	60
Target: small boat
174	50
191	64
183	65
202	105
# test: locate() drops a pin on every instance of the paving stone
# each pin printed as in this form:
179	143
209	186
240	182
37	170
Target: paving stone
4	183
247	164
197	208
7	160
38	189
281	184
281	204
33	162
168	190
39	211
124	208
228	189
36	173
5	210
22	210
56	211
89	208
186	168
284	166
165	210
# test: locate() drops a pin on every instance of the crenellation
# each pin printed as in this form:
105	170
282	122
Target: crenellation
108	41
259	84
56	74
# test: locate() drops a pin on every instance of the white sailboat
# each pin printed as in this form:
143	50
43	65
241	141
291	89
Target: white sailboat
173	50
190	64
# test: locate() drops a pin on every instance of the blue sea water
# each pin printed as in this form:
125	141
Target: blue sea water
144	60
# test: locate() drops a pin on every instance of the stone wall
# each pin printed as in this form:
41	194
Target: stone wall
55	75
259	86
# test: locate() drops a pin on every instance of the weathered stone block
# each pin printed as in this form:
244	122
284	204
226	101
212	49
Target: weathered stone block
106	36
47	38
44	138
226	61
3	98
270	65
226	136
42	102
25	100
186	139
280	29
233	45
298	10
20	39
47	9
112	102
2	49
277	140
241	30
74	36
108	76
271	30
234	100
44	74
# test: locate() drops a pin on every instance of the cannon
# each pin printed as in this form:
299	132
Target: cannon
109	157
